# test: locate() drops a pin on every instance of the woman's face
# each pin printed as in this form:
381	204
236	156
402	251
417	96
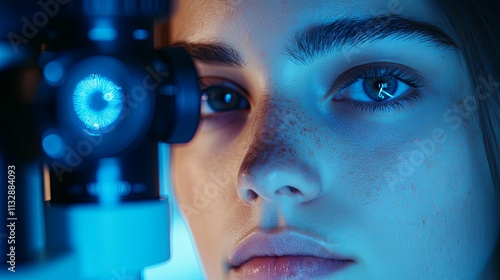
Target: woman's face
332	130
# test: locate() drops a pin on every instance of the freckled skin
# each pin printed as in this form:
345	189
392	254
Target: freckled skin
439	219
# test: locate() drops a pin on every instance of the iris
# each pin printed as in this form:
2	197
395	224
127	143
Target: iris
380	88
221	99
97	101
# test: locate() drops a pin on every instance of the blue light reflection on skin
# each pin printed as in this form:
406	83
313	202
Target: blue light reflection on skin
97	101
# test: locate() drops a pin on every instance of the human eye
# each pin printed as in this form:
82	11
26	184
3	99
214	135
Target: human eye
219	96
378	87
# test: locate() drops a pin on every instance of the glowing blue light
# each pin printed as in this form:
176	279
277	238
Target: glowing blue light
108	96
52	144
53	71
102	34
97	101
109	170
227	97
141	34
6	55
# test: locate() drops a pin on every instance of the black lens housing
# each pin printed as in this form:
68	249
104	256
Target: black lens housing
112	39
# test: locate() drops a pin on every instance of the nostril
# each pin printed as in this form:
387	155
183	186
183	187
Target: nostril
251	195
277	183
287	190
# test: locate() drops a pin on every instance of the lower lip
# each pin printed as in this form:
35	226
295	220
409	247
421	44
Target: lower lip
288	267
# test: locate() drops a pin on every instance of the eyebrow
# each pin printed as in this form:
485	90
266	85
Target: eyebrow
216	53
321	39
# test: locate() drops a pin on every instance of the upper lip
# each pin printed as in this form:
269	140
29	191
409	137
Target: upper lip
282	243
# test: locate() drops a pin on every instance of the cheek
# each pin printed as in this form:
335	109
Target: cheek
202	185
206	166
425	188
204	176
200	196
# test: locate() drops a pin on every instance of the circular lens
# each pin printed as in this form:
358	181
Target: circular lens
97	101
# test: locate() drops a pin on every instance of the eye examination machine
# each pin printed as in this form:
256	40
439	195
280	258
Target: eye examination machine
86	100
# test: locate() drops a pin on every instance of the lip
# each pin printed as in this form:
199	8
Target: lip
284	254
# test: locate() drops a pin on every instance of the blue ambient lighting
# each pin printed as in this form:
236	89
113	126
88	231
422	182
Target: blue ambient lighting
52	144
53	71
97	101
102	34
140	34
227	97
108	186
109	170
6	55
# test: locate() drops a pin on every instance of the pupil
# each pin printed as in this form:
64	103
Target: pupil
221	100
97	102
373	85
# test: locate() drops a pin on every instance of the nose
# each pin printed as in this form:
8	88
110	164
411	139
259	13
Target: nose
275	167
278	182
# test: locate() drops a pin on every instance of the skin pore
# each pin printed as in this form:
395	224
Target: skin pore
404	190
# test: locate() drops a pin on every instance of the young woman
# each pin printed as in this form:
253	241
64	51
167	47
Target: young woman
343	139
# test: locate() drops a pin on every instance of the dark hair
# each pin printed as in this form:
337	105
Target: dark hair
476	27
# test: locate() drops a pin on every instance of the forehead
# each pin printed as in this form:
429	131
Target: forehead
250	22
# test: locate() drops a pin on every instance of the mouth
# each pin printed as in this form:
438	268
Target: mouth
285	255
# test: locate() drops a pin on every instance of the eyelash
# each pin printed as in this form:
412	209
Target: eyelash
347	79
409	98
209	82
399	72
